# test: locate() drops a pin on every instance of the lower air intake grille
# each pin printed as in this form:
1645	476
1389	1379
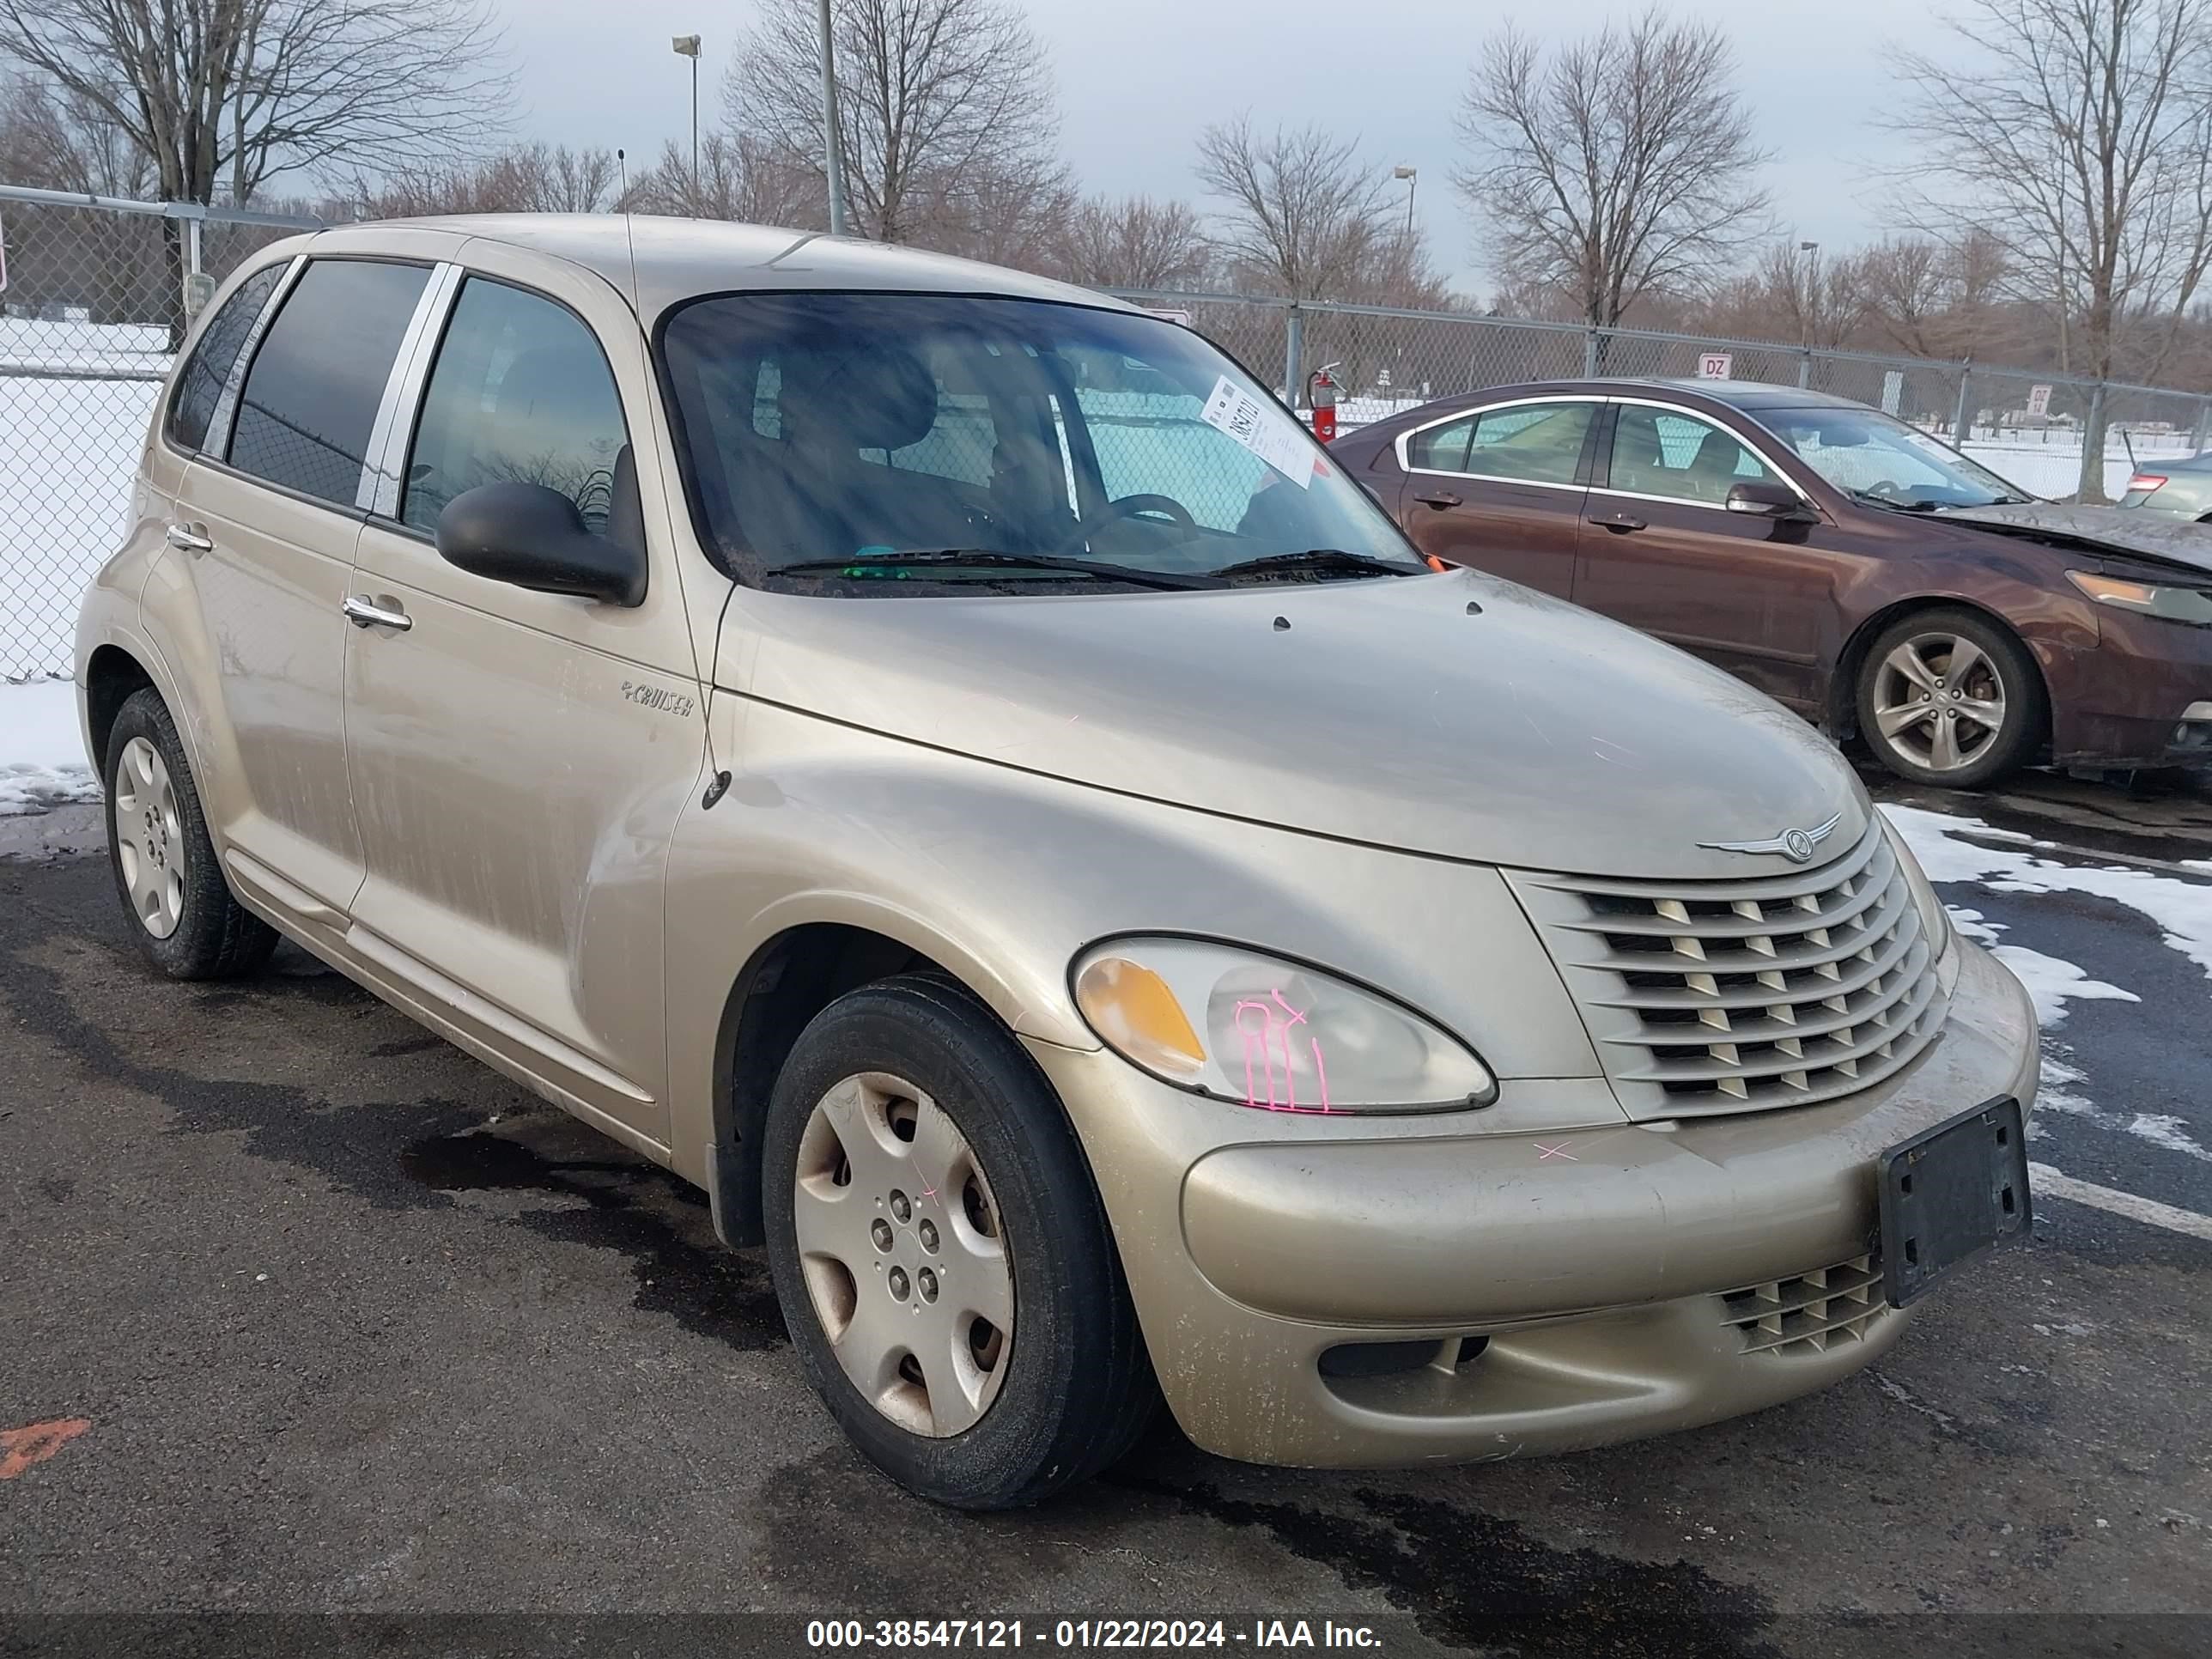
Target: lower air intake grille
1811	1313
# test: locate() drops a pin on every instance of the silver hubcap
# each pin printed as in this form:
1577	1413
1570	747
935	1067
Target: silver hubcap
904	1257
1939	702
150	843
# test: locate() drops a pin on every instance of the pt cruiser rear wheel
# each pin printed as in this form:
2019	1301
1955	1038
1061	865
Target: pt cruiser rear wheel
941	1254
166	873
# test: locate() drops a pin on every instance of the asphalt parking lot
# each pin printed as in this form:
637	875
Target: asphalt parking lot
306	1312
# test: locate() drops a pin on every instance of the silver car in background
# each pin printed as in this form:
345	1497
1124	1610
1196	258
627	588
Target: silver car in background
2180	489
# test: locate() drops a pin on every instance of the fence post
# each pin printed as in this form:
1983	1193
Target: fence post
2203	435
1589	353
1294	355
1805	366
1961	430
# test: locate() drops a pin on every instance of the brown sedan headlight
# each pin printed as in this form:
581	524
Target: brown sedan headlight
2181	605
1279	1035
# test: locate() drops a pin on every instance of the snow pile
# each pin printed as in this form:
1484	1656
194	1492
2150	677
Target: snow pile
42	761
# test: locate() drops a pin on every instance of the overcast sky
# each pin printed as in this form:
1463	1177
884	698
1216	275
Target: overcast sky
1139	79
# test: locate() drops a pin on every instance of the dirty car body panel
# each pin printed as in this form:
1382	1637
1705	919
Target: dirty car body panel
633	847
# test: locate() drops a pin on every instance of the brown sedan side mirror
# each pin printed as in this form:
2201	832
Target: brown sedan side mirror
1770	500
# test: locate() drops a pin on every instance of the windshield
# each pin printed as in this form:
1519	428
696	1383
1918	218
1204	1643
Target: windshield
1877	458
828	427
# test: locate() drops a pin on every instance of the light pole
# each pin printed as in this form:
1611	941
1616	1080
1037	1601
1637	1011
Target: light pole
687	45
1811	290
1412	176
833	158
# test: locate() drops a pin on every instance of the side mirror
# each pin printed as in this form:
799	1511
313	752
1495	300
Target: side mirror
1770	500
533	538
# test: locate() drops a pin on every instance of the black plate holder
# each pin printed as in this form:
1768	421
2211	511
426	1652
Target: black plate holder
1949	1193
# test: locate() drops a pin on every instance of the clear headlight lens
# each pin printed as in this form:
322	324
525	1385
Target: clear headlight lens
1264	1032
1934	918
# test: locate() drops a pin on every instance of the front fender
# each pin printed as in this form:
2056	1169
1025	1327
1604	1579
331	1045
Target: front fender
1002	876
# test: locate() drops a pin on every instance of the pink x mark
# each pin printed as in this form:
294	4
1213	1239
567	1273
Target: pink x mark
1559	1150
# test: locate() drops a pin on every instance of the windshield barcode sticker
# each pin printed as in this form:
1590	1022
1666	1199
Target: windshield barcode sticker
1261	429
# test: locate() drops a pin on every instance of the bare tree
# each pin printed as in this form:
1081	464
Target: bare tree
1934	299
940	102
1306	214
2079	131
1623	165
52	142
1135	241
530	179
739	178
229	94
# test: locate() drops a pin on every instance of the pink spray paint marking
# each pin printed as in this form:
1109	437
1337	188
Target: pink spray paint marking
1559	1150
1263	1039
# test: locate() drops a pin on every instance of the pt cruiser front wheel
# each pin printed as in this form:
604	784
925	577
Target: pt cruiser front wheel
941	1254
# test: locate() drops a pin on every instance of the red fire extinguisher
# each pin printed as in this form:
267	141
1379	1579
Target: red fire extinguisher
1320	395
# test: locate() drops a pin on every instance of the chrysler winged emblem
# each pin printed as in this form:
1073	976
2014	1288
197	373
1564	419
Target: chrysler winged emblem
1796	845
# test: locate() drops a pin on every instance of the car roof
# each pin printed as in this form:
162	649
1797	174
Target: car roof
659	261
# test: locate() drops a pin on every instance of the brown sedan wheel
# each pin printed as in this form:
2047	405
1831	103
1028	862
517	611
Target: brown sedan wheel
941	1254
1951	698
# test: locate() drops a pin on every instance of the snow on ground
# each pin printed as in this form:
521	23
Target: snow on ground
2181	909
42	761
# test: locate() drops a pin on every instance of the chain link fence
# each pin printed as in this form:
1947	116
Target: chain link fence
98	292
2026	425
96	299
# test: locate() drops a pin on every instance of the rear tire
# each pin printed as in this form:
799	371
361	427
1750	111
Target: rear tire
172	887
1949	697
916	1167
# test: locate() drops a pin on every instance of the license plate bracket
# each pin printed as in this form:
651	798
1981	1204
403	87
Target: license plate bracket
1950	1192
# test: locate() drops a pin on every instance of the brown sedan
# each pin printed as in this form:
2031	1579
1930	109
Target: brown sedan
1868	575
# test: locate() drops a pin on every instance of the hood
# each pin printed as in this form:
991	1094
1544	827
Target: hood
2119	530
1534	734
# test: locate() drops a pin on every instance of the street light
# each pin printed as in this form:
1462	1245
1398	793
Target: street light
687	45
1412	176
832	157
1812	285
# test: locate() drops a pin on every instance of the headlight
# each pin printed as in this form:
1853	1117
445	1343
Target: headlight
2181	605
1934	919
1264	1032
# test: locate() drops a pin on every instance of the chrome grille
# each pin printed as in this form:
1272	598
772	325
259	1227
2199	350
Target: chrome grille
1735	996
1809	1314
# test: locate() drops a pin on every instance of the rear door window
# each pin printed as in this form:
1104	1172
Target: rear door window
1441	449
201	383
1530	443
521	392
311	397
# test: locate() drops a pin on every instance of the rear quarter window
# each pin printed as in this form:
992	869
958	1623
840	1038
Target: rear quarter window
200	386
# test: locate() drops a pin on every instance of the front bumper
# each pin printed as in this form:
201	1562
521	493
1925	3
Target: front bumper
2142	697
1592	1264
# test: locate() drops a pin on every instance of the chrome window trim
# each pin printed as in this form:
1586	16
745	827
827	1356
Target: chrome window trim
378	489
215	443
1404	442
1697	415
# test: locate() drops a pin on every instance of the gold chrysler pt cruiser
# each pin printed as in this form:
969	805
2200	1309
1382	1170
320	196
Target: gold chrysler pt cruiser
941	760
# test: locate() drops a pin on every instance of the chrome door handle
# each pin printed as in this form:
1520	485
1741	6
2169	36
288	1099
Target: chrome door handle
1618	521
191	538
368	613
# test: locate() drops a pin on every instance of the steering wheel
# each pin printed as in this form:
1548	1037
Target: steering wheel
1885	488
1131	507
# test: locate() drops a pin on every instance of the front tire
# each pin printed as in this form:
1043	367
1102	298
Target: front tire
1949	697
172	889
941	1254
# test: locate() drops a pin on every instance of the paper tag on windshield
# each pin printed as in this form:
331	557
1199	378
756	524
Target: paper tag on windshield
1259	429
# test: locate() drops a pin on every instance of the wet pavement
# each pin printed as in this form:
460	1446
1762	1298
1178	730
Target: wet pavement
308	1313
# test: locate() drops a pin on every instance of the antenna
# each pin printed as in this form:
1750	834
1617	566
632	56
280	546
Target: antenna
622	167
629	231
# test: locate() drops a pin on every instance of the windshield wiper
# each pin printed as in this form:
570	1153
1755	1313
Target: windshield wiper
1319	561
1892	504
897	563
